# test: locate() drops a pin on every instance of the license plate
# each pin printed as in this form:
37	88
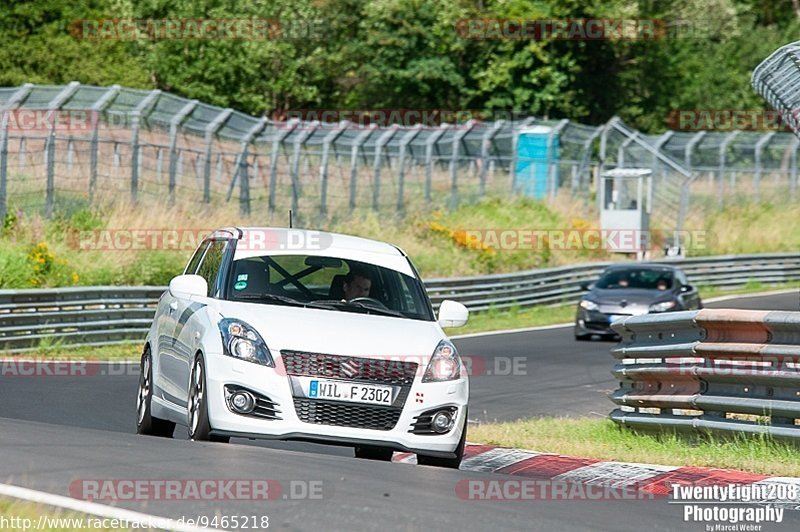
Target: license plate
350	391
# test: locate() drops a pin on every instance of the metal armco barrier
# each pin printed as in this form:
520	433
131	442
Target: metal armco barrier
107	315
92	315
711	370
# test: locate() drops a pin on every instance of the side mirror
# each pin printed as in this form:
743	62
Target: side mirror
187	286
586	285
687	288
452	314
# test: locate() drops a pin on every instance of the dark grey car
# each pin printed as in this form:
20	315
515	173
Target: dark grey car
628	290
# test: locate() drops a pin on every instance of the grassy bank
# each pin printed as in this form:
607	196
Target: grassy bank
35	252
600	438
23	516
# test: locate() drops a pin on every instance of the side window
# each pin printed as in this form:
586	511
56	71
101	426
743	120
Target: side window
195	260
209	267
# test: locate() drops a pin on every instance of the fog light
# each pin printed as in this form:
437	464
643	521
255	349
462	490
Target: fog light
442	421
242	402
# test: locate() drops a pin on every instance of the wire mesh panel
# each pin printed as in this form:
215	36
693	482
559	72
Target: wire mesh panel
88	144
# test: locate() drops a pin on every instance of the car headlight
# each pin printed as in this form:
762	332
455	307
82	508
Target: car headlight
663	306
588	305
445	364
241	341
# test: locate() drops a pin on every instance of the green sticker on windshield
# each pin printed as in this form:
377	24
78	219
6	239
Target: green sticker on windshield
241	285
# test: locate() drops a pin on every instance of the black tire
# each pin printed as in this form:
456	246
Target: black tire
145	422
451	463
583	337
199	426
368	452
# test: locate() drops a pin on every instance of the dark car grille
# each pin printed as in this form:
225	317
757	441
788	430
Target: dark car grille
392	372
346	415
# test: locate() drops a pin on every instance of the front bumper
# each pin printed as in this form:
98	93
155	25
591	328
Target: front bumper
596	322
275	384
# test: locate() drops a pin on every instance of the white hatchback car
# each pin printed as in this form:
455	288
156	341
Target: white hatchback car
304	335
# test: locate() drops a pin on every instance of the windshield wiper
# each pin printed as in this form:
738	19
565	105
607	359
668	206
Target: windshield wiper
269	297
348	305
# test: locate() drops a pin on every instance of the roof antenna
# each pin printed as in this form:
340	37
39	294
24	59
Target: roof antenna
290	218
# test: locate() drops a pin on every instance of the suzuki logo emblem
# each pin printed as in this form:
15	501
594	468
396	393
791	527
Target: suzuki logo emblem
623	303
350	368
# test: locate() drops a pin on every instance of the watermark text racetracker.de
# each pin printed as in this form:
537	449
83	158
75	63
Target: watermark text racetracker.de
202	489
622	240
187	239
548	490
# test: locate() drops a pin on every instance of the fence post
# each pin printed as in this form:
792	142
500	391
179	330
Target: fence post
241	167
723	148
457	140
385	137
793	168
430	142
277	140
585	156
10	104
401	170
50	145
689	149
759	148
653	179
357	142
142	108
486	144
323	168
294	171
174	124
210	131
96	110
551	167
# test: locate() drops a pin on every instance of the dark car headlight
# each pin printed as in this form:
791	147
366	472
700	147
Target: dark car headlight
240	340
663	306
587	304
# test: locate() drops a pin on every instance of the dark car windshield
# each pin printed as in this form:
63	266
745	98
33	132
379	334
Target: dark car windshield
328	283
642	278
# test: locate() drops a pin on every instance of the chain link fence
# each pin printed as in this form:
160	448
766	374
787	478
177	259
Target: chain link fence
114	144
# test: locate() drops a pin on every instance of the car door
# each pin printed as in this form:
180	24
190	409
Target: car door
166	366
190	320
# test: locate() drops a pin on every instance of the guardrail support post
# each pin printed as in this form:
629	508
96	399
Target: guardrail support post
723	149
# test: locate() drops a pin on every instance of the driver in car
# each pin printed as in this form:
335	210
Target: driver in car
356	284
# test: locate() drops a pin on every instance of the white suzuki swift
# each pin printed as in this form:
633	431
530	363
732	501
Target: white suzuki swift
304	335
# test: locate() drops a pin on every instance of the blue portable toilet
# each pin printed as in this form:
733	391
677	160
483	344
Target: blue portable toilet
537	151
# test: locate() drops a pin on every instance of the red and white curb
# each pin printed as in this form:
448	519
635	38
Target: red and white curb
653	478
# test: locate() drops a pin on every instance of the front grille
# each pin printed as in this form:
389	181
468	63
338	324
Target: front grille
266	408
346	415
392	372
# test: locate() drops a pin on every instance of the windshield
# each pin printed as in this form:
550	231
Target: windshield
328	283
643	278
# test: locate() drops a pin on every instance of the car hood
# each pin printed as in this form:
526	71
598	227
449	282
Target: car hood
337	332
627	301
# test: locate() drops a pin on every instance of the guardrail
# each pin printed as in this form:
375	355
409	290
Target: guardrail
107	315
711	370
